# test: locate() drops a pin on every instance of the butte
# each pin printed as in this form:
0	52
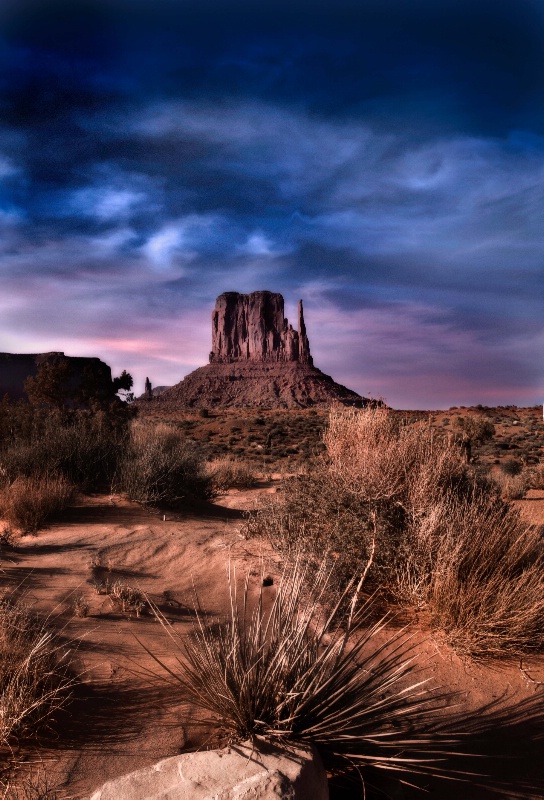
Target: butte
258	360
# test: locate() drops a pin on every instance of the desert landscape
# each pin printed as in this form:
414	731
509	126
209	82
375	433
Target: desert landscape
124	524
271	400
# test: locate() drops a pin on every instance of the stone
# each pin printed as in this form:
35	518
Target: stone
238	772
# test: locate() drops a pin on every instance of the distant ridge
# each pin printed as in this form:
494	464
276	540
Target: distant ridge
257	360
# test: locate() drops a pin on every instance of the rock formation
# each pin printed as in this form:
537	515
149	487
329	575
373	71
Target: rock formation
16	368
257	360
252	327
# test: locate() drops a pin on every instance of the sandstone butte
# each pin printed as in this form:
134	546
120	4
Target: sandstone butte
15	368
257	360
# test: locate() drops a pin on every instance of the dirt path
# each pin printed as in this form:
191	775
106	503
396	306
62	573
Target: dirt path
123	719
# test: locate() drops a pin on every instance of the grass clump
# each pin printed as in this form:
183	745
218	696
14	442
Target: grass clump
479	569
34	672
296	673
230	473
160	466
28	502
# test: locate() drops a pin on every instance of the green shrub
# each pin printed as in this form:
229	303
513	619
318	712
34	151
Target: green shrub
161	467
84	449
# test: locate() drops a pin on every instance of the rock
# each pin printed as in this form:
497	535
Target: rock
257	360
255	384
253	327
16	368
236	773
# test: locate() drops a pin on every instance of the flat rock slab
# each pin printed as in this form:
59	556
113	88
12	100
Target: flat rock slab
239	772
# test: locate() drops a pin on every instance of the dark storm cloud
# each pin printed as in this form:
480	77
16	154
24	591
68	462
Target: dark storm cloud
385	161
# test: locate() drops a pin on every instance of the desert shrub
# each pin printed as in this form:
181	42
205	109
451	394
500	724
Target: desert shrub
442	537
480	571
130	598
512	486
511	466
375	477
28	502
230	473
34	671
296	673
161	466
536	477
84	449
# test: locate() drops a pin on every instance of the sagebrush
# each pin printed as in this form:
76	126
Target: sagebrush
443	537
160	466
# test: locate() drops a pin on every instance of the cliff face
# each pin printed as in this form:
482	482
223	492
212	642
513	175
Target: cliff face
253	327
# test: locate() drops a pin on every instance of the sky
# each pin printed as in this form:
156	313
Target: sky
384	161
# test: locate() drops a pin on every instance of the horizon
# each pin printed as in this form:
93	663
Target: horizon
385	164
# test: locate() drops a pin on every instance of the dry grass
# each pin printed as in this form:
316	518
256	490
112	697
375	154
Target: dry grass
230	473
479	569
444	540
512	487
28	502
34	672
296	673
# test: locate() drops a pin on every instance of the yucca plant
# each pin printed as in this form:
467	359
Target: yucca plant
295	673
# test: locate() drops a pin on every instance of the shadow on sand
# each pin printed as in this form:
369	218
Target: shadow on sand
499	753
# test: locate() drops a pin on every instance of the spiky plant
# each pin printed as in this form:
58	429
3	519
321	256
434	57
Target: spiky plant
295	673
35	671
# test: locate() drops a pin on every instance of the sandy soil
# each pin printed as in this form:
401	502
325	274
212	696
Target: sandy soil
122	718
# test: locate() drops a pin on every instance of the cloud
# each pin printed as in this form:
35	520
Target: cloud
391	173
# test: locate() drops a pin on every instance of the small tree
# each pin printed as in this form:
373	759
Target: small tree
122	386
50	385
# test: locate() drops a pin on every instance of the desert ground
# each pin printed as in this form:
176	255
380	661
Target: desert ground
124	716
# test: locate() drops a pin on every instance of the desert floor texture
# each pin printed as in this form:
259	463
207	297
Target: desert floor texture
124	717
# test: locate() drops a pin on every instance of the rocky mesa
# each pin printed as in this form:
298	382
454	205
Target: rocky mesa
257	360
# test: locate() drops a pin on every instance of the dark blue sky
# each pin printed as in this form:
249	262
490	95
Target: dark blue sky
384	161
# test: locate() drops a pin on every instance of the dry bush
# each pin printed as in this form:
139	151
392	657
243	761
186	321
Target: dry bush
129	597
479	569
34	672
230	473
84	450
443	537
377	476
512	486
296	673
536	477
28	502
161	466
